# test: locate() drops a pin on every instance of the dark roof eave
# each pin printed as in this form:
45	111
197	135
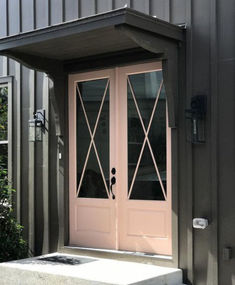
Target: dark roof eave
99	21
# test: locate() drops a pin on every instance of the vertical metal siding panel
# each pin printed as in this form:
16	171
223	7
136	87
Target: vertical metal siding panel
214	134
15	70
104	5
5	66
121	3
226	29
42	13
71	10
88	8
185	167
18	69
178	11
42	19
14	16
28	94
53	210
67	10
161	9
39	215
56	11
3	18
226	145
1	66
27	13
226	163
142	6
14	22
201	32
3	33
31	164
25	148
45	168
57	16
4	72
201	156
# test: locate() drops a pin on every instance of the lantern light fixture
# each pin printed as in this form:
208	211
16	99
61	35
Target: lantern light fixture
37	126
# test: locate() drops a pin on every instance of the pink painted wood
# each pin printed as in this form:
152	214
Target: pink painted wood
144	226
92	221
125	224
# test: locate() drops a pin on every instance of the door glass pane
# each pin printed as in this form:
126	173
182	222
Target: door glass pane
92	183
102	138
83	139
145	87
147	156
146	184
157	136
135	136
92	94
3	113
93	138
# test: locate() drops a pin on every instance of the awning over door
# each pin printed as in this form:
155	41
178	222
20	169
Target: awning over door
74	45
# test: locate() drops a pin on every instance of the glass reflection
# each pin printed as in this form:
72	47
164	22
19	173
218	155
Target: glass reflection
146	185
92	184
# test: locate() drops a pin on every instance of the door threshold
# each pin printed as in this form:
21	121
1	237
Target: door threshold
141	257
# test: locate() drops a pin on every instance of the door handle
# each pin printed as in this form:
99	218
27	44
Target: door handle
113	181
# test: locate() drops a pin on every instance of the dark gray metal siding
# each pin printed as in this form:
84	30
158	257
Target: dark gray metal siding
226	135
206	172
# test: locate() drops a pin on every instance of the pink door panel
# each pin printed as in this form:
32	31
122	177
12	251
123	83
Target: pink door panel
118	119
145	204
92	211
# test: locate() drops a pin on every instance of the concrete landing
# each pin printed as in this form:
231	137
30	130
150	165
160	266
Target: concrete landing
67	269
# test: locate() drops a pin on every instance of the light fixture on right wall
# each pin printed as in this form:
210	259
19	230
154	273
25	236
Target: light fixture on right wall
197	116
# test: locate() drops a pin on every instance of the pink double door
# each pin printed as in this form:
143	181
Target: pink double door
120	160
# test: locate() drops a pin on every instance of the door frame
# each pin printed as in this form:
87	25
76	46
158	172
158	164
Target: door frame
157	259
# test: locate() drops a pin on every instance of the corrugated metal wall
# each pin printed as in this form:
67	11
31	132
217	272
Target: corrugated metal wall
200	174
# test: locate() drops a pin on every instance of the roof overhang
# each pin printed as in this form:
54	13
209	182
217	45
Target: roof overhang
114	31
123	32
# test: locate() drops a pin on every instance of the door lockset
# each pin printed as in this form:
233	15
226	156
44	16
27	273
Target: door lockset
113	181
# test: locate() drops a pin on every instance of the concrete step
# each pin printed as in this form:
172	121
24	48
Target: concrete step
67	269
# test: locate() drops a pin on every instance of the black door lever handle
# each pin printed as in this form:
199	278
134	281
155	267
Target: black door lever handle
113	181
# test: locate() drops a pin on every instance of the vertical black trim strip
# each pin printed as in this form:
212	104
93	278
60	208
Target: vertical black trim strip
214	142
63	10
6	59
18	68
31	179
79	8
45	170
189	160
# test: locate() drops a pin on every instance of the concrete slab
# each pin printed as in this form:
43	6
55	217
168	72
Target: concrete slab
66	269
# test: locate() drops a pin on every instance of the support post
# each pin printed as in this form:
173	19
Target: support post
57	93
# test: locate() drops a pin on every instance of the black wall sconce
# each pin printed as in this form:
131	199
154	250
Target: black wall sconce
197	116
36	126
